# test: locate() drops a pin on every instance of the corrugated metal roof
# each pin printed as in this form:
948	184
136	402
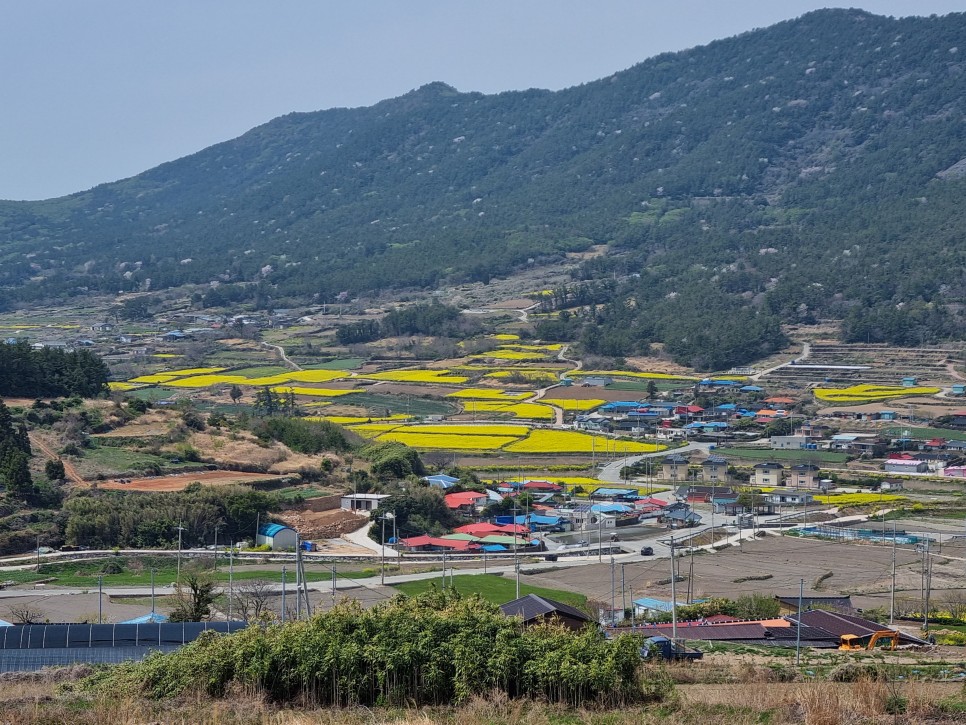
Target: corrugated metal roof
271	529
533	606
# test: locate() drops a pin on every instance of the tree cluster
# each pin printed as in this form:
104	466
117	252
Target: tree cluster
105	519
50	372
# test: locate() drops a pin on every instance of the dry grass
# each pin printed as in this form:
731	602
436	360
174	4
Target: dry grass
31	699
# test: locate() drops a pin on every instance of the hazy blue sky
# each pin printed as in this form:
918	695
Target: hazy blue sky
98	90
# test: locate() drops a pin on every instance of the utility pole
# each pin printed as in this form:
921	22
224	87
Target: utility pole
180	529
892	596
284	572
152	596
216	548
231	578
691	577
298	579
674	601
100	600
798	628
382	576
600	535
925	613
623	592
613	591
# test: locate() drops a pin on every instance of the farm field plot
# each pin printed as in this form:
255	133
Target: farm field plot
573	404
530	411
765	454
864	571
559	441
179	481
417	376
488	394
449	442
493	588
928	433
869	393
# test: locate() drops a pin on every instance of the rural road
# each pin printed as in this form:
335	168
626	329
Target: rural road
806	351
281	351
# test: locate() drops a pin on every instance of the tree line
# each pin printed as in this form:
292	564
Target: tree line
50	372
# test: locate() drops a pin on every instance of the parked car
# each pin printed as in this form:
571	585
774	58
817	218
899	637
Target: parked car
550	557
647	551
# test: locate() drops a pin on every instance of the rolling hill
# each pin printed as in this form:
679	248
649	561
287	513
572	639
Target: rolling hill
808	170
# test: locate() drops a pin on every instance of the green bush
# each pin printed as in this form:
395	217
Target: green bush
437	648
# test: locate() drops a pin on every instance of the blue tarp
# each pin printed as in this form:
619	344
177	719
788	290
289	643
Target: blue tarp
751	389
615	492
149	618
440	480
493	547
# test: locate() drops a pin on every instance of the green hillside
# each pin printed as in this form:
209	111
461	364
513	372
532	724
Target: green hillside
813	169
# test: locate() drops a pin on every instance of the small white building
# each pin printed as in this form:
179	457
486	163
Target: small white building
362	503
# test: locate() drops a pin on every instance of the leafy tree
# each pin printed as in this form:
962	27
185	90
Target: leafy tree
196	592
54	470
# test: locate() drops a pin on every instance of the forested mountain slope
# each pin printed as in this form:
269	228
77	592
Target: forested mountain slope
813	168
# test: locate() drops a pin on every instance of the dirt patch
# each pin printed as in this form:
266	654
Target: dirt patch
323	524
594	393
179	481
227	449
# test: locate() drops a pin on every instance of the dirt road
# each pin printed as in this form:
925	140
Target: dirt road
69	469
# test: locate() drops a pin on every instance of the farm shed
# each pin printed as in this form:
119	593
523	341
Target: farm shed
535	609
277	536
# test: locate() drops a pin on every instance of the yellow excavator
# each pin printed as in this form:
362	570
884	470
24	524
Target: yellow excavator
852	642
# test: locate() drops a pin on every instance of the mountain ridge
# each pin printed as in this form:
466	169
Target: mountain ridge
801	137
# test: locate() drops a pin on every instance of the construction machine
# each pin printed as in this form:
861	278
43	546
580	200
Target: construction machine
852	642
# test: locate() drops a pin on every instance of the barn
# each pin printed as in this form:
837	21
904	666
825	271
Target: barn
278	536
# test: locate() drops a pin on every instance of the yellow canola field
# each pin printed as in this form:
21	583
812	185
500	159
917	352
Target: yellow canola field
562	441
857	499
505	336
450	442
318	392
487	394
530	411
116	385
203	381
869	393
165	355
417	376
568	404
517	431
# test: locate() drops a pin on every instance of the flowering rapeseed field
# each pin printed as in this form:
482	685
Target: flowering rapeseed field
869	393
562	441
